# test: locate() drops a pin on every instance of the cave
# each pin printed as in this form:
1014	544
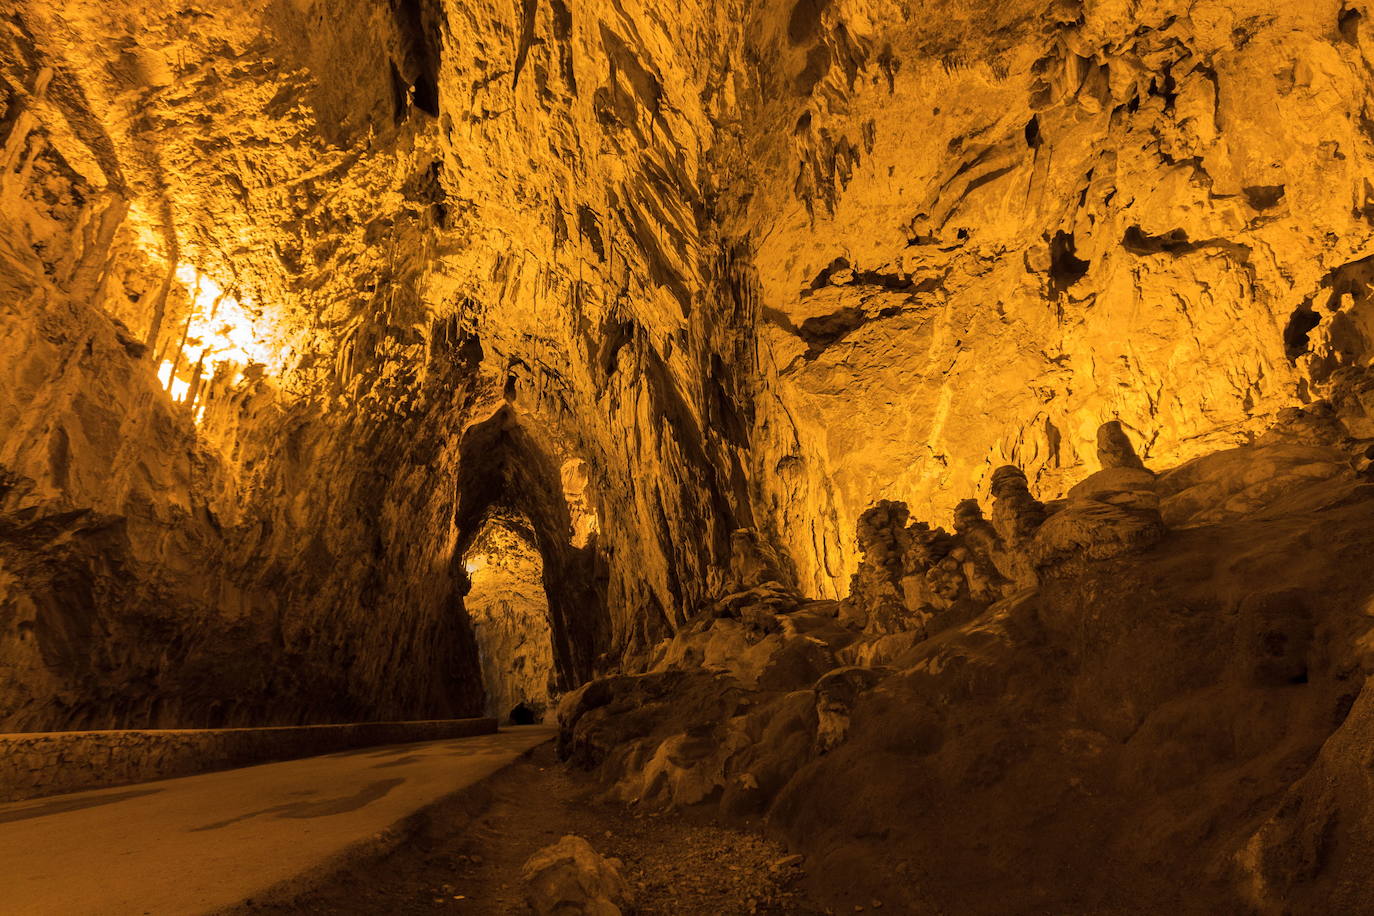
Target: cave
509	612
694	458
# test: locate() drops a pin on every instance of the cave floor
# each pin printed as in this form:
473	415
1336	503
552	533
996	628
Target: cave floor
201	843
676	865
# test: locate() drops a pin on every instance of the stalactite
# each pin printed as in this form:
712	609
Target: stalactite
22	122
160	307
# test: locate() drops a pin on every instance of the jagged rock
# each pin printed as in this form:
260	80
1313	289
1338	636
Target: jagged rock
1114	449
1352	401
1016	516
296	297
985	582
767	597
569	878
836	694
883	536
876	599
753	562
1108	673
926	547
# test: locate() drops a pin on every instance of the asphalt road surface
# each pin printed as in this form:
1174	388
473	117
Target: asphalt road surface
203	843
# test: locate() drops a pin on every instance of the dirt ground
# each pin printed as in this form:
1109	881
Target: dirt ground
675	865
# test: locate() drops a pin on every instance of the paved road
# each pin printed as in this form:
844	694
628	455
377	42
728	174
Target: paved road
201	843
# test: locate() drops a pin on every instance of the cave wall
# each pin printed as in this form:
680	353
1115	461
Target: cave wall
982	229
746	266
435	212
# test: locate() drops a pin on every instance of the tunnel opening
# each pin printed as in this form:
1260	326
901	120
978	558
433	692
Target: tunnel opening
509	611
516	502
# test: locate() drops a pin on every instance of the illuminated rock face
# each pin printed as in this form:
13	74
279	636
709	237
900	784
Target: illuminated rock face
510	619
983	229
650	273
479	245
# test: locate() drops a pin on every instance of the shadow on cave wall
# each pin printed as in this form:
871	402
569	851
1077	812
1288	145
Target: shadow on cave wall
504	472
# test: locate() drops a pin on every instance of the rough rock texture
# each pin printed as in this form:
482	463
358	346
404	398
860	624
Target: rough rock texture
510	621
470	252
718	301
700	267
1179	724
983	229
569	878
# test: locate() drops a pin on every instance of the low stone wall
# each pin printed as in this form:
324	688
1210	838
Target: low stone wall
37	764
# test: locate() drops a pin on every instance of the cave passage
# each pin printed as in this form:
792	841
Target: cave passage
835	456
509	612
508	481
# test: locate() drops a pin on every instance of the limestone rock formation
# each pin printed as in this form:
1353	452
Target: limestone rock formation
1124	720
1112	512
568	878
1114	449
781	339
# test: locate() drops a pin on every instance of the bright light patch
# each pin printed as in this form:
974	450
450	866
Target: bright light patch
584	527
177	388
227	327
474	563
223	334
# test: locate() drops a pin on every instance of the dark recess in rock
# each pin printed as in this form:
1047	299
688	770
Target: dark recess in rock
419	23
823	330
1348	24
1300	325
1265	197
817	63
1066	268
505	469
804	23
1174	242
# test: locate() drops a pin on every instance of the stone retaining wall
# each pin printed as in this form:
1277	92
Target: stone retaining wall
37	764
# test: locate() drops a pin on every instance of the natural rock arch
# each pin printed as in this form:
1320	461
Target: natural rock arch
503	470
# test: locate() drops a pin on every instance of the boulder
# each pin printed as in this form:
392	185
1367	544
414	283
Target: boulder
1114	449
1089	529
836	694
569	878
1112	512
1016	516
